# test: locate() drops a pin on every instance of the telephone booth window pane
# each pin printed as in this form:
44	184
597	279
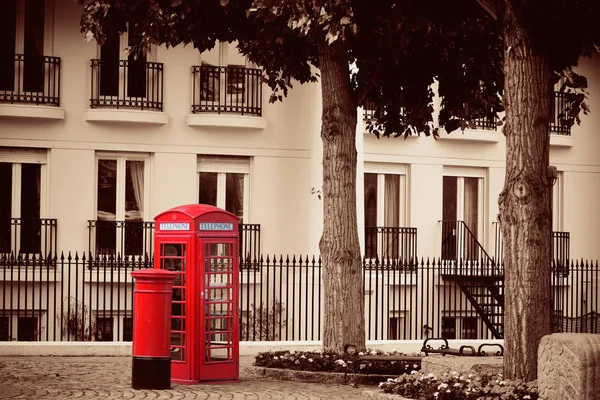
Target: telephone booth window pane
173	258
218	306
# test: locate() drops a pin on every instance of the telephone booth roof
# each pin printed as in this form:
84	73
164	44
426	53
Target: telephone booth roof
195	210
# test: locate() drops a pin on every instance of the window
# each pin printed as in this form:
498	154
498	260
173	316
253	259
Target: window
385	213
26	29
104	329
462	214
4	329
469	328
223	182
25	326
134	70
448	327
27	329
557	202
22	177
113	326
121	205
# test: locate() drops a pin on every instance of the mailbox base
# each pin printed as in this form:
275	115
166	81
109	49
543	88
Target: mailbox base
151	373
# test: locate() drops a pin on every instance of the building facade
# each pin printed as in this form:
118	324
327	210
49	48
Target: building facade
94	143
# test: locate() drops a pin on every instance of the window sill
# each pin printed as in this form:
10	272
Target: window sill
132	116
561	141
473	135
227	121
32	111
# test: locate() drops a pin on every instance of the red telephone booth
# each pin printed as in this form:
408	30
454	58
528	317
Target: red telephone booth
200	243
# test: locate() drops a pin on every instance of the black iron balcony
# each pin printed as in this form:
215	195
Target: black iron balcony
390	245
28	236
124	238
558	123
232	90
127	84
30	80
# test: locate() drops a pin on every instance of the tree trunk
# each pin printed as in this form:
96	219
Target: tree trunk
525	201
344	318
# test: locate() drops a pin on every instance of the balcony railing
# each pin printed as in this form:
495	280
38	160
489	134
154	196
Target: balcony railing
559	107
30	80
460	243
136	238
232	90
120	237
390	245
137	85
28	236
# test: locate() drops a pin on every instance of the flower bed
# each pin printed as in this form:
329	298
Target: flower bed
454	386
318	361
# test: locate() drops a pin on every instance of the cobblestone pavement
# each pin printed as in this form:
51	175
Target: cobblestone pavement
110	378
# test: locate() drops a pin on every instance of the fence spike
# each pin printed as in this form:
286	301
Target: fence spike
294	259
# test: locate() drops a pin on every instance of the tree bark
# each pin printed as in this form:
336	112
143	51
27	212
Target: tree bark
525	201
344	318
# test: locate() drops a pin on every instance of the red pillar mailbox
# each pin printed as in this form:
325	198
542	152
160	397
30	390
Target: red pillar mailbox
151	365
200	243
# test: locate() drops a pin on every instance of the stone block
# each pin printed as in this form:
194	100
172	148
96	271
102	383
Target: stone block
438	364
569	366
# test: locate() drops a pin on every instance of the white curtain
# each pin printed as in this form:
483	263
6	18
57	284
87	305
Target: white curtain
471	216
391	216
136	171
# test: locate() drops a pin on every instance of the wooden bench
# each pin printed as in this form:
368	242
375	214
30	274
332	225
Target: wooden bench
470	351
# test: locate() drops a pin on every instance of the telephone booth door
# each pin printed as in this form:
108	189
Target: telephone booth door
218	298
174	255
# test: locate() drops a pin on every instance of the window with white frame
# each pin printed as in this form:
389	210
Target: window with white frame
22	326
462	213
26	28
23	179
557	202
110	326
121	204
117	77
384	210
223	181
223	75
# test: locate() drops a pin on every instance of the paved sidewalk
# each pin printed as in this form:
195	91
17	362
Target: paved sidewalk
110	378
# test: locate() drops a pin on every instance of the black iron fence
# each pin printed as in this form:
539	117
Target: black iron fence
387	243
30	79
91	298
231	89
28	235
127	84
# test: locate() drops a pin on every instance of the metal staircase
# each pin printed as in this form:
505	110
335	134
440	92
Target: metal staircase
476	274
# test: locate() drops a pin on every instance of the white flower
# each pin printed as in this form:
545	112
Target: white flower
275	358
373	353
413	372
302	356
457	384
442	385
527	396
448	391
430	375
415	366
360	353
436	394
310	360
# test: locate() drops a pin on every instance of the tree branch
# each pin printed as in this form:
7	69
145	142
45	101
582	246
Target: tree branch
491	7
